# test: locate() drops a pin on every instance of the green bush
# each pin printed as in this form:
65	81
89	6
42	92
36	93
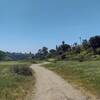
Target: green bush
22	70
81	58
98	51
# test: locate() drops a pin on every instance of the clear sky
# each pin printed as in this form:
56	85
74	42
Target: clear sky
27	25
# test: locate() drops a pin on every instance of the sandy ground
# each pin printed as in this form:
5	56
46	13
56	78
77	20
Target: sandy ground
50	86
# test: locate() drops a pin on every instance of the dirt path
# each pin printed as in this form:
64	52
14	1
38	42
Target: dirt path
50	86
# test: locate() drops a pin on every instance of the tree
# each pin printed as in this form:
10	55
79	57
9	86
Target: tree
2	55
76	49
39	54
42	53
95	42
45	51
63	47
85	44
52	53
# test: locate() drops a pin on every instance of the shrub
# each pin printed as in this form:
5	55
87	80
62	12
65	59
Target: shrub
34	61
22	70
98	51
81	58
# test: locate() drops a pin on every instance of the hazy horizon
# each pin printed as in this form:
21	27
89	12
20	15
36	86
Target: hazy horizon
27	25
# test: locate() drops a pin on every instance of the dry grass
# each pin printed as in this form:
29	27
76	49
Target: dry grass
12	85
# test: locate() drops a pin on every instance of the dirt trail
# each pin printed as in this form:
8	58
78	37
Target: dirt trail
50	86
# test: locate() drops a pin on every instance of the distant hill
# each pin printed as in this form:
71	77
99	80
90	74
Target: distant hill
18	56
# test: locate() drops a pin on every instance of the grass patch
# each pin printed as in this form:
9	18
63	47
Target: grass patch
14	63
14	86
84	74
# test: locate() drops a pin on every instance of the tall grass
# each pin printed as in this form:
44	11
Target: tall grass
84	74
14	86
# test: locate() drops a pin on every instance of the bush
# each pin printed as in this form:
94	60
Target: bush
22	70
81	58
98	51
34	61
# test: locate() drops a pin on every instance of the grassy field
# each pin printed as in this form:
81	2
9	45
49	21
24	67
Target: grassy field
83	74
14	86
14	62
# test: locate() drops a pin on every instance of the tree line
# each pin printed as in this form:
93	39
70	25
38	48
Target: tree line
66	51
86	50
8	56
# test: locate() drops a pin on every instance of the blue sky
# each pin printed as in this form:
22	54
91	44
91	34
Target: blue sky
27	25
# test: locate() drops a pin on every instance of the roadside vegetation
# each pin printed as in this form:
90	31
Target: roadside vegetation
16	80
77	63
86	50
83	74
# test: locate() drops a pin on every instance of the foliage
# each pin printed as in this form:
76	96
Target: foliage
42	53
2	55
63	47
76	49
95	42
22	70
98	51
80	52
84	74
85	44
62	52
52	53
14	86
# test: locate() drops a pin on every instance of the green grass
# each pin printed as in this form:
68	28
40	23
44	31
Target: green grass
14	62
83	74
14	86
